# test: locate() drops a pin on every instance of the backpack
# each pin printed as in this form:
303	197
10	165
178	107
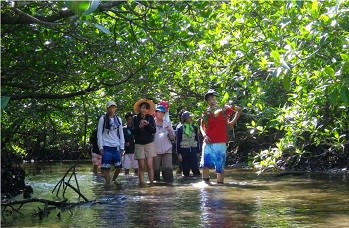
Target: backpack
94	137
117	119
94	142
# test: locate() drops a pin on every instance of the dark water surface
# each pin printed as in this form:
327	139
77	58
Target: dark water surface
245	200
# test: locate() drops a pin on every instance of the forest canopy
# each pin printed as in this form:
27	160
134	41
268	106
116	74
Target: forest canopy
285	62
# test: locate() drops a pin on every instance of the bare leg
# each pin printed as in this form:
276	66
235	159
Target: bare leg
136	171
106	175
150	169
116	173
205	173
220	178
95	169
141	170
127	171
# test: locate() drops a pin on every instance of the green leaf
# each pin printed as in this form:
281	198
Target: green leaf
286	82
4	102
334	97
225	98
344	25
315	6
336	134
102	29
345	94
263	63
345	57
253	123
300	4
92	7
329	71
78	7
275	55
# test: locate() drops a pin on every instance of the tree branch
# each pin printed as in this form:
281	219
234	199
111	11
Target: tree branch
20	17
50	96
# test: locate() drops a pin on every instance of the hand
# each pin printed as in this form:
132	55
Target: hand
101	151
179	157
207	139
168	128
143	123
237	108
127	144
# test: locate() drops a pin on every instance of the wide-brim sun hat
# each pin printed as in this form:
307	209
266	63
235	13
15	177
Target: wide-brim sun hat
142	101
110	103
210	92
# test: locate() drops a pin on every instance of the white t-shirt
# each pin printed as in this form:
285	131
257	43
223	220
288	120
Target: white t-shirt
113	137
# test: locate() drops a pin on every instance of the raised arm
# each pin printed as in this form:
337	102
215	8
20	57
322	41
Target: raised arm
238	111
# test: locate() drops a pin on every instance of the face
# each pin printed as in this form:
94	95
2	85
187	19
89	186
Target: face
143	109
160	115
211	101
188	120
129	121
112	110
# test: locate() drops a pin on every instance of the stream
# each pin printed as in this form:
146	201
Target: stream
245	200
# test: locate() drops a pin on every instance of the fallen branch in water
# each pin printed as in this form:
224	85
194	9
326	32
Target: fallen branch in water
42	212
16	205
64	183
77	191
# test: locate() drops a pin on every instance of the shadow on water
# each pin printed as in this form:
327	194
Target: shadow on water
245	200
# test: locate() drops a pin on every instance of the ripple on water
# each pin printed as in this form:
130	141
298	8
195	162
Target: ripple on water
245	200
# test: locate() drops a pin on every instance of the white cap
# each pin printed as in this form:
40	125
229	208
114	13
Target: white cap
110	103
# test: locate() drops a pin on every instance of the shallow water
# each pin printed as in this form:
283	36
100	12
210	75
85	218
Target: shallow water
245	200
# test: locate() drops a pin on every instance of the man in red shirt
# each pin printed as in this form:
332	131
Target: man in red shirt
214	123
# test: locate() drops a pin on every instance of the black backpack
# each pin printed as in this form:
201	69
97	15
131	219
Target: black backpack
107	123
94	142
94	137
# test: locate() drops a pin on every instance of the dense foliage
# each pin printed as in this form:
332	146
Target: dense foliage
286	62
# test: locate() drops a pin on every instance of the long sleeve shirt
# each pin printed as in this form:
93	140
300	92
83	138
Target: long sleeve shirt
145	134
162	138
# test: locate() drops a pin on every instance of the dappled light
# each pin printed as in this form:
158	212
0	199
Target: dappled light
284	64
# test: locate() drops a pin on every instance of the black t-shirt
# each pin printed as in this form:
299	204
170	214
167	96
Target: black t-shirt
94	142
129	138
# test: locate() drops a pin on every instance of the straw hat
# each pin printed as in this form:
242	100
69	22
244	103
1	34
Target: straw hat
142	101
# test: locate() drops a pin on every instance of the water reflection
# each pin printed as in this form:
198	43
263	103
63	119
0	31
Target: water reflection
212	209
246	200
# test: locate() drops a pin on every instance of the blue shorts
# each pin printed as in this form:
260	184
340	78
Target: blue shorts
111	156
213	156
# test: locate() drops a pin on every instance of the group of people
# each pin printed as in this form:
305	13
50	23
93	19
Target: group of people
145	142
